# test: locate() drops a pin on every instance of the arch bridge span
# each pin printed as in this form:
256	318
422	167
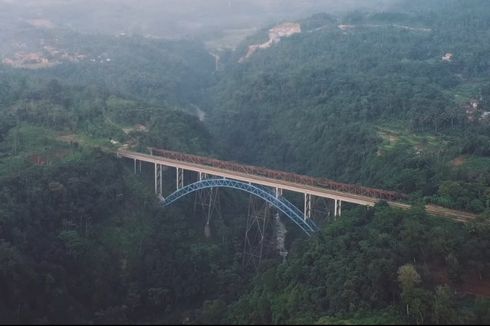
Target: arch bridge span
273	198
212	173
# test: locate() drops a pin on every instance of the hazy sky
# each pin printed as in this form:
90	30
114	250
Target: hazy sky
205	19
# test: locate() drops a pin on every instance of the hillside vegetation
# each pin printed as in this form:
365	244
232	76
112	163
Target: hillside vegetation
372	103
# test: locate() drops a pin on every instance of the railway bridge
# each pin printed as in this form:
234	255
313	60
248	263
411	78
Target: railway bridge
268	185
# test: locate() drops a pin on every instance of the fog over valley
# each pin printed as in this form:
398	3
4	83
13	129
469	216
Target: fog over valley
171	18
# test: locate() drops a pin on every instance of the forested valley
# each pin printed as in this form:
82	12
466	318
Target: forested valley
396	99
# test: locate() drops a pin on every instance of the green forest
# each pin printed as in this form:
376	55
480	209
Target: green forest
394	117
83	239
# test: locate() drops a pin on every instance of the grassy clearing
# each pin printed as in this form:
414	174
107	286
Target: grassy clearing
26	146
421	142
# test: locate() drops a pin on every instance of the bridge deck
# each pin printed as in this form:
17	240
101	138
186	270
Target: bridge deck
286	185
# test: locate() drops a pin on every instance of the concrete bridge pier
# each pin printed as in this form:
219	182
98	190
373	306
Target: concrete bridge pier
137	166
278	192
338	208
159	179
307	208
180	178
202	176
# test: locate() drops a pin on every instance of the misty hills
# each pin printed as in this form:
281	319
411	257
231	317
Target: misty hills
170	18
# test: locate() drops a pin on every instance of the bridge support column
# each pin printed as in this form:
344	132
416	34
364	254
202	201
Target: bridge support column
137	165
278	192
207	204
180	178
338	208
161	180
280	230
202	176
307	210
158	179
256	233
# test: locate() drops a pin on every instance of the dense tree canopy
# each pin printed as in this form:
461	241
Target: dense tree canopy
368	98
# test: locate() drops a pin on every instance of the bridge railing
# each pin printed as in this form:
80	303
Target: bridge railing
280	175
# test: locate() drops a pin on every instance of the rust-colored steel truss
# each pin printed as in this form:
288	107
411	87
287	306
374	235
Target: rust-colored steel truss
280	175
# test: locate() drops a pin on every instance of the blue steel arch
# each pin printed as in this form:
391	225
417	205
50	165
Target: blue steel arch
281	203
